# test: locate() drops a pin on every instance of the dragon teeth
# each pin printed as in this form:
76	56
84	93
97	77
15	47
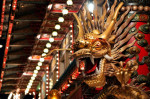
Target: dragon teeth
77	62
97	71
92	59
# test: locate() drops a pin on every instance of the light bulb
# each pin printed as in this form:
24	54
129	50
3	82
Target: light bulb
45	50
44	54
1	46
48	45
33	93
34	75
57	26
30	84
65	11
31	81
32	78
49	6
51	84
26	91
68	85
60	19
41	59
51	39
37	67
35	71
39	63
69	2
54	33
38	36
30	57
91	7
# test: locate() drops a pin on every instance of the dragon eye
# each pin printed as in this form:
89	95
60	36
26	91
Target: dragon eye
97	43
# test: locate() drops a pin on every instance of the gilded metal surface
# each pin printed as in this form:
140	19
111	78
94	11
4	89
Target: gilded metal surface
142	42
126	92
132	30
54	94
106	41
140	17
139	36
134	50
98	44
147	48
145	28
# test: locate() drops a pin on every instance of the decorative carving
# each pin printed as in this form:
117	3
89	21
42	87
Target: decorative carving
139	36
140	17
136	2
134	50
142	42
144	28
147	48
104	41
130	91
132	30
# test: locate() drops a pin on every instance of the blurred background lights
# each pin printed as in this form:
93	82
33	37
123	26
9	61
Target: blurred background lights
54	33
57	26
48	45
51	39
60	19
41	59
39	63
91	7
65	11
38	68
35	71
44	54
1	46
69	2
45	50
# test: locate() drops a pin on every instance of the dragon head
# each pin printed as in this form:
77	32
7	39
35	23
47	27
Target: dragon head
93	43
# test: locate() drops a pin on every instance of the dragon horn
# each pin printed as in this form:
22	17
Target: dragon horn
108	31
95	13
81	31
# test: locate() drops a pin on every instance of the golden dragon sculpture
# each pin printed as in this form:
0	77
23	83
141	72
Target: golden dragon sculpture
102	40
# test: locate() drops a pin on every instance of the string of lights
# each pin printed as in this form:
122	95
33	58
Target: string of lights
46	50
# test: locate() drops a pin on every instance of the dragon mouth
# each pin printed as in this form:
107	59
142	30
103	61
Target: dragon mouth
92	65
90	60
93	74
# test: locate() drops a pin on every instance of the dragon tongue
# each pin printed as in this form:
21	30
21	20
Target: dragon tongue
92	59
